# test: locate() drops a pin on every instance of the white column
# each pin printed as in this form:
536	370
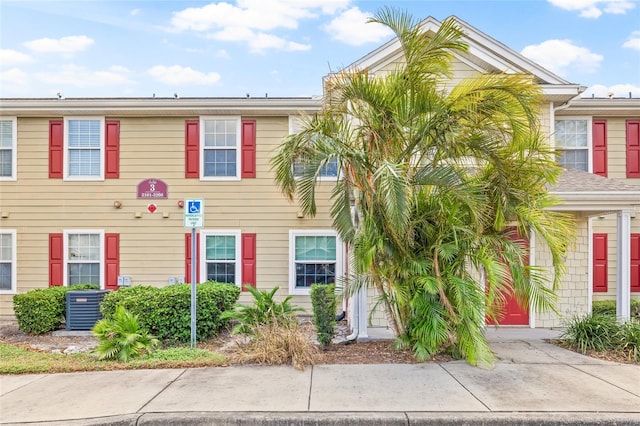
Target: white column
364	313
623	276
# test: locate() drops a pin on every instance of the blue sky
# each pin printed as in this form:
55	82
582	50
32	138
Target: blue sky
283	47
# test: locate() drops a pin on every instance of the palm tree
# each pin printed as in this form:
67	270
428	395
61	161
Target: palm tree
430	178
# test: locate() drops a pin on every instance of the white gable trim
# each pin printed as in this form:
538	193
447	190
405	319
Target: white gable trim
481	46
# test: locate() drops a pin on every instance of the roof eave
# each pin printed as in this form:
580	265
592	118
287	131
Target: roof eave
158	106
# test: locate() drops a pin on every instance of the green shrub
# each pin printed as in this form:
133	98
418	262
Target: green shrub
604	307
608	307
43	310
592	332
166	311
122	338
629	340
323	301
264	310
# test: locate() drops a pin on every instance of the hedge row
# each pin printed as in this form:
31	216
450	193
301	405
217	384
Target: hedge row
43	310
166	311
608	307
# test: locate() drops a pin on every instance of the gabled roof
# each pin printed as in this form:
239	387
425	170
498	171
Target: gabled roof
582	191
485	55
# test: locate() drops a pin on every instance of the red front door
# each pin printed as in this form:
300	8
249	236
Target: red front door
512	313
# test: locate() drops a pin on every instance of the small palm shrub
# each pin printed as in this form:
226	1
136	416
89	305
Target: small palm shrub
323	301
277	342
265	309
591	332
122	338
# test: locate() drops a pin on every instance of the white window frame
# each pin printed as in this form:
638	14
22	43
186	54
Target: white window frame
589	147
238	147
294	125
203	251
67	233
14	148
14	261
293	233
66	155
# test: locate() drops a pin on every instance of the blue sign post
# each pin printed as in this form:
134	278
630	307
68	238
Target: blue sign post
193	218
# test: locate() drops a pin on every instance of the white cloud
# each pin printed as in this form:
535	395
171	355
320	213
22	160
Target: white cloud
258	42
135	12
634	41
65	45
593	9
8	56
79	76
560	56
178	75
249	19
351	27
13	82
618	90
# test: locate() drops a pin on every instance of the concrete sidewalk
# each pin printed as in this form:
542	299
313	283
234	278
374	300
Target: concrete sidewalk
533	383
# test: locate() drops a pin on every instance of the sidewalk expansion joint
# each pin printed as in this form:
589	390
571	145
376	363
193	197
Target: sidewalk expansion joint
464	387
184	370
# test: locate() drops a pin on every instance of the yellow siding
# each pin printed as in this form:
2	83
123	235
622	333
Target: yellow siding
152	246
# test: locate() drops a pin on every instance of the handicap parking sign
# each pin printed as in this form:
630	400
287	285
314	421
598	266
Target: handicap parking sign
194	213
193	206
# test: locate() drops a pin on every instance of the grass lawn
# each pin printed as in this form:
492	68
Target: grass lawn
15	359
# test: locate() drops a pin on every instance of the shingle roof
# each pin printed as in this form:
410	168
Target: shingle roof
571	181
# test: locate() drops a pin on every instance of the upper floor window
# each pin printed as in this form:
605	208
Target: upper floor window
572	143
7	261
84	145
8	136
221	142
328	172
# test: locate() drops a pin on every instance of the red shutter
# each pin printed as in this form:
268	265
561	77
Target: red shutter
111	261
633	148
56	259
248	260
112	150
248	149
599	136
635	262
56	148
188	257
192	149
600	263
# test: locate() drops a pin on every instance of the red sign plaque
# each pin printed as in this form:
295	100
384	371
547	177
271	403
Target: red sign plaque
152	189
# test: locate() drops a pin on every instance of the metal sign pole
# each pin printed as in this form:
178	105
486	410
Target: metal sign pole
193	287
193	218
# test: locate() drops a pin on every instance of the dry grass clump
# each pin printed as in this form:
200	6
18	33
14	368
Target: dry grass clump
277	343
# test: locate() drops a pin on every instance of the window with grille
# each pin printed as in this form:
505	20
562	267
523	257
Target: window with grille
84	144
8	133
222	256
7	261
84	254
221	141
316	259
572	143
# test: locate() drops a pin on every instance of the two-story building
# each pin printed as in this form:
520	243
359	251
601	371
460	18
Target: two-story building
93	190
